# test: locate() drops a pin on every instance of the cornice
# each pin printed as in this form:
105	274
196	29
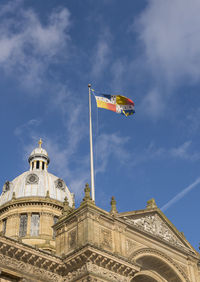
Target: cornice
101	257
28	260
30	201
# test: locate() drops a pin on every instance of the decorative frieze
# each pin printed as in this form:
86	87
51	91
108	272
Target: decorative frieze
90	268
28	269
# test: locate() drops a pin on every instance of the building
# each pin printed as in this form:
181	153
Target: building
43	237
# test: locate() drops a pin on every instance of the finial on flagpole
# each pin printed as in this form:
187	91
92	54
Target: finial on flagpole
89	85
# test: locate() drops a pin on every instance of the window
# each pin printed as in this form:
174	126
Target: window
23	225
55	219
4	226
32	165
37	165
35	224
42	165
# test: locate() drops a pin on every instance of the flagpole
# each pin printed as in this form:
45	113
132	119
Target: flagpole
91	147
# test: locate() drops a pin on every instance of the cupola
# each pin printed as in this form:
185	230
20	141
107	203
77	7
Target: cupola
39	158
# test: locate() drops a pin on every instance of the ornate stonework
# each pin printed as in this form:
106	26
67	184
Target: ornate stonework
96	270
145	251
32	178
59	183
106	238
154	225
130	246
72	239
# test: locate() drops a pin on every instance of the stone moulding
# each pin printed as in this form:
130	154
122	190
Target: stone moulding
41	266
28	261
160	255
97	271
19	202
99	258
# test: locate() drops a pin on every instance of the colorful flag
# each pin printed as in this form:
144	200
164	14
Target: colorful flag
115	103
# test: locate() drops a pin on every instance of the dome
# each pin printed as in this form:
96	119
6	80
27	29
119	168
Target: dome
37	182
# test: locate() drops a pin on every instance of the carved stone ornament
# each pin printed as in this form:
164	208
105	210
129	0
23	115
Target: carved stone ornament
32	179
90	268
59	183
6	186
106	238
148	251
154	225
28	269
130	246
72	239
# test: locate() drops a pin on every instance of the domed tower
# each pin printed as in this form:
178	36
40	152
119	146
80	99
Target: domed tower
32	203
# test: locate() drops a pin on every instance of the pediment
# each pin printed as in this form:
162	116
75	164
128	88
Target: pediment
154	224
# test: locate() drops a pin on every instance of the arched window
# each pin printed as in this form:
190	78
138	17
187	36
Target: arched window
42	165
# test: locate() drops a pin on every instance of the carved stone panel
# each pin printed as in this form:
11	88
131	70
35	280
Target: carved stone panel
106	238
130	246
72	239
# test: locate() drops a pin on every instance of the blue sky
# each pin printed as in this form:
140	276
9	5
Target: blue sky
148	51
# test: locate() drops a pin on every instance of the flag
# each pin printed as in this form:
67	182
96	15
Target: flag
116	103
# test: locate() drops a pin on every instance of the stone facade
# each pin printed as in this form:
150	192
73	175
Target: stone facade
45	239
92	244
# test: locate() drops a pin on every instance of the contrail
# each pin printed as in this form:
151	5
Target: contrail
181	194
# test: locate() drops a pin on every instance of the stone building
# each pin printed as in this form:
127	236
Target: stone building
43	237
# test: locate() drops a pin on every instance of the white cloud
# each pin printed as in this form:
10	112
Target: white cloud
110	145
101	56
28	46
170	33
153	104
193	118
151	152
118	71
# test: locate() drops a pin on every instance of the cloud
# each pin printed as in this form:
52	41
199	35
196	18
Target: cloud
151	152
66	162
153	104
180	195
193	118
108	146
169	32
169	42
101	56
181	151
28	46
